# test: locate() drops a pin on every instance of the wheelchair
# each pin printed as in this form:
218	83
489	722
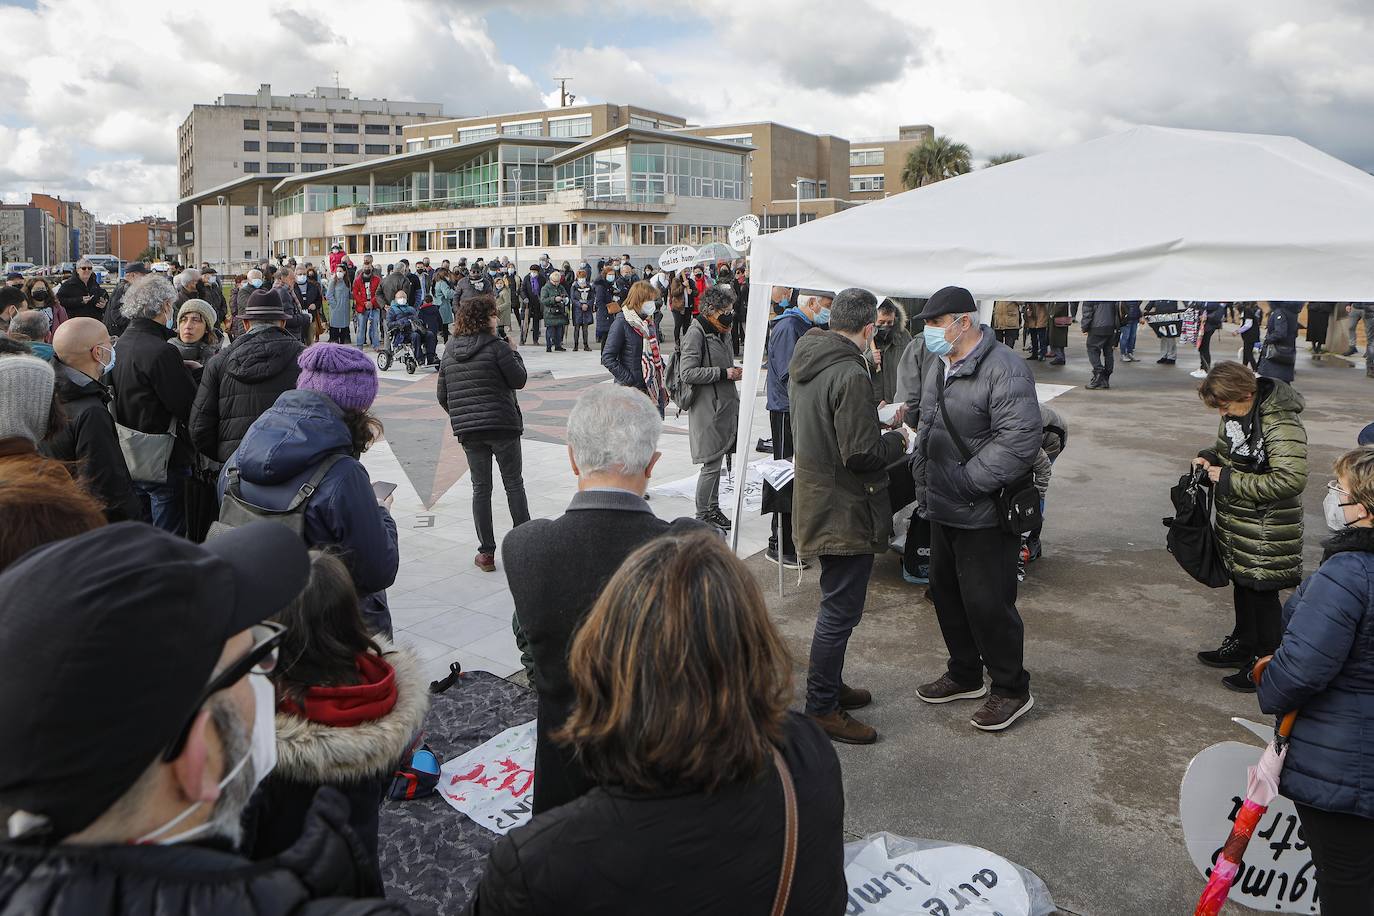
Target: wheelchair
402	341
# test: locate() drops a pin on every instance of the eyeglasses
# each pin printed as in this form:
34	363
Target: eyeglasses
261	659
84	270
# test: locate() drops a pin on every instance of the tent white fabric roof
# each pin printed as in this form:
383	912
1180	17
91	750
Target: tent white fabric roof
1150	213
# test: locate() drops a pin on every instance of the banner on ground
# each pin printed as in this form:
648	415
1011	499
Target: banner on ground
686	488
1277	873
494	782
893	876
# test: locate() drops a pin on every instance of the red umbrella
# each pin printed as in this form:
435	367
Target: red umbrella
1261	790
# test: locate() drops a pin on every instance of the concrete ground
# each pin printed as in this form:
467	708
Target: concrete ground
1084	790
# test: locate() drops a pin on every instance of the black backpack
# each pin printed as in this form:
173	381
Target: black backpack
234	510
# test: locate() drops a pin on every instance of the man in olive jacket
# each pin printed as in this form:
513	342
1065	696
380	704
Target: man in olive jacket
989	398
840	510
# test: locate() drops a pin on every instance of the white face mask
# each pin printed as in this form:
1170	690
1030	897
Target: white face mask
262	753
400	300
1334	511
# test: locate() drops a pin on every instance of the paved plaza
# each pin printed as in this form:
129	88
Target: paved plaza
1084	791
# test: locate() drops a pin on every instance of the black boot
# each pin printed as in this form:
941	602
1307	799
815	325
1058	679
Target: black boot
1096	383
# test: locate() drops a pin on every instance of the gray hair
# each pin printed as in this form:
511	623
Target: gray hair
147	298
613	429
255	274
188	277
717	299
32	324
84	262
852	310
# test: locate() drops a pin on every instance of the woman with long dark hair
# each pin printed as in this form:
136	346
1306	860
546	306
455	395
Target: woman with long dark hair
681	685
349	705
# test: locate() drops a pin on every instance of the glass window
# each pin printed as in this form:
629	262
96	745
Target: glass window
281	125
314	166
251	230
314	147
865	157
469	134
435	142
280	168
377	149
398	130
530	236
250	123
280	146
345	128
377	129
251	146
568	233
250	211
862	183
571	127
527	129
313	127
345	147
644	123
251	167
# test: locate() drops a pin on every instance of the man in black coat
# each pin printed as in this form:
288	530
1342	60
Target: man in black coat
612	438
89	442
81	295
530	288
242	381
115	322
153	393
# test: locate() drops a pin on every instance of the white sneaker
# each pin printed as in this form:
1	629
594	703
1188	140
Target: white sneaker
1198	373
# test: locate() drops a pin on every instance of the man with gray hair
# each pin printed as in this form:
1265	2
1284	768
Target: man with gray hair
612	446
32	327
188	287
153	393
840	506
81	294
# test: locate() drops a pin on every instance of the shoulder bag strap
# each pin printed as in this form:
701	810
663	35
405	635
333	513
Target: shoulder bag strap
789	849
308	488
949	427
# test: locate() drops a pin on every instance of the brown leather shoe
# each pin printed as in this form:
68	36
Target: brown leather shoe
485	562
846	729
999	712
944	690
854	697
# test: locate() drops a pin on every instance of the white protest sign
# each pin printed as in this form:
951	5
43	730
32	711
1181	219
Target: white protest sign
494	782
1276	874
676	257
938	881
743	232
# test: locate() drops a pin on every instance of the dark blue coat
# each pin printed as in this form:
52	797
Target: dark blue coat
578	296
277	456
1324	668
602	295
1279	350
782	340
623	355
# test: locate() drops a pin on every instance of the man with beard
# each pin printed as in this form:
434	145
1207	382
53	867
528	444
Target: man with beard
134	732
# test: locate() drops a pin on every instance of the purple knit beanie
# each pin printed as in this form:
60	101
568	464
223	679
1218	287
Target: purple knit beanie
342	372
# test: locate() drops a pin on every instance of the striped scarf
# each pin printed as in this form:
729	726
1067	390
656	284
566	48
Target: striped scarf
650	359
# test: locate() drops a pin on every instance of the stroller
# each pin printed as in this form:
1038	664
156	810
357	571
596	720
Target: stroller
402	341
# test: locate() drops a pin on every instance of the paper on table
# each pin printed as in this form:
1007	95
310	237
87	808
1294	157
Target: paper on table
887	413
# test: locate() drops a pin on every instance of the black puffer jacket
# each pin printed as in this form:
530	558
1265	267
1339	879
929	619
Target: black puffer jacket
90	442
478	377
325	872
239	384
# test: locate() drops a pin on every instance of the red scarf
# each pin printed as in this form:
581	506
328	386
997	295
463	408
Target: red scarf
372	698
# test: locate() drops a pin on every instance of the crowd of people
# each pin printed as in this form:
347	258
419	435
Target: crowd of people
212	442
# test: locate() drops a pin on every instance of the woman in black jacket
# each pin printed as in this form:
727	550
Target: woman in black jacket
682	684
478	377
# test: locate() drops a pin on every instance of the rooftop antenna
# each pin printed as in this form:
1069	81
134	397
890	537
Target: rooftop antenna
565	98
336	80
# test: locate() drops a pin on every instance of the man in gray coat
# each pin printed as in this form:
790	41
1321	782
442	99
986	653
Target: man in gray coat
707	365
840	506
1101	320
987	394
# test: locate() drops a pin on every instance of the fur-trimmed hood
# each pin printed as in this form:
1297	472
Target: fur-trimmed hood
313	752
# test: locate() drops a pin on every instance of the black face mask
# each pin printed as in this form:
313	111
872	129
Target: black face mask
39	295
725	319
882	336
312	276
368	272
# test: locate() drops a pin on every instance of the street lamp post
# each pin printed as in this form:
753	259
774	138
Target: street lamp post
224	247
798	185
516	173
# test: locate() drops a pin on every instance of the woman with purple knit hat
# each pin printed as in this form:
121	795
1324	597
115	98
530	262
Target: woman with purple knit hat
326	419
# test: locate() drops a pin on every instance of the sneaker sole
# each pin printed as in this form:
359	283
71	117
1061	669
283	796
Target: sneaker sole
1030	704
969	695
1234	666
774	561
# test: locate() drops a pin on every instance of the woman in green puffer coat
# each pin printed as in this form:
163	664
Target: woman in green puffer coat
1258	469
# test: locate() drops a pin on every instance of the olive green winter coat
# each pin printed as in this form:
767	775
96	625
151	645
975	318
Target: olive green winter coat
1259	513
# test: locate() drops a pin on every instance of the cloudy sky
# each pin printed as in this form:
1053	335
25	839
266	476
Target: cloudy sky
92	94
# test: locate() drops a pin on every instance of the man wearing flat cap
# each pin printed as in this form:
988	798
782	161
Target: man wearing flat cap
133	735
979	432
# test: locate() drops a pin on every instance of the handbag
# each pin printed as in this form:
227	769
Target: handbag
1063	321
146	454
1018	505
789	846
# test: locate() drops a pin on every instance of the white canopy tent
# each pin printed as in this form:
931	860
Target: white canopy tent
1151	213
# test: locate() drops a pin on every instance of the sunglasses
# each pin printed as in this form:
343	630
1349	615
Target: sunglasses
84	270
260	659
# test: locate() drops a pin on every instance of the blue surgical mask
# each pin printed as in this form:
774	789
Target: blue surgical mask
256	282
823	316
936	342
106	367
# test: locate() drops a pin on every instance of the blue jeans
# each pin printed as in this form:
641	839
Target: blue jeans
1039	340
1128	338
162	502
368	333
553	336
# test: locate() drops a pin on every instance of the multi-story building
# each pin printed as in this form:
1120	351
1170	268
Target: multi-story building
101	245
875	166
150	233
276	136
576	122
75	225
29	234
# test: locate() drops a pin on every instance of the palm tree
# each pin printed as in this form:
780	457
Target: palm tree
936	159
1003	158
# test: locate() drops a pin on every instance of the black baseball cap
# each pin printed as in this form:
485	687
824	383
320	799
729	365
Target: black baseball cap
108	641
135	267
952	300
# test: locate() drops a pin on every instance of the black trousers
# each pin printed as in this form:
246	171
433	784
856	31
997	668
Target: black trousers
1342	848
737	329
430	317
1100	353
338	335
973	584
844	588
681	322
1258	620
509	458
1204	349
1008	336
580	334
780	423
